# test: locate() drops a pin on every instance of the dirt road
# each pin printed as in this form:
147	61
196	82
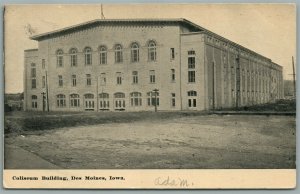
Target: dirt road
209	141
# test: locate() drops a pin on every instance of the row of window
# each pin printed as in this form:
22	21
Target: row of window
102	51
119	79
191	70
119	100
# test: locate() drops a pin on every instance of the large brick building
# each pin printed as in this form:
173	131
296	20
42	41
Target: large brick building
115	64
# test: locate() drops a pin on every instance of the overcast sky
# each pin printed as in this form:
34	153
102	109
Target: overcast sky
269	30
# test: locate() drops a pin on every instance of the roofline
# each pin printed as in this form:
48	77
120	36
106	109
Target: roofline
228	41
97	21
141	20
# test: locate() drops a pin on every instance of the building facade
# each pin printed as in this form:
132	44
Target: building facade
133	65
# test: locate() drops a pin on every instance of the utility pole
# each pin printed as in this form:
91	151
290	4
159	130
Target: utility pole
238	83
43	97
97	94
47	91
294	79
155	95
213	85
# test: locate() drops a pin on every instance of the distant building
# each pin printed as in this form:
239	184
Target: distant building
13	102
115	64
288	88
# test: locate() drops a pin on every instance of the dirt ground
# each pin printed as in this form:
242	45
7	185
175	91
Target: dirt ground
194	142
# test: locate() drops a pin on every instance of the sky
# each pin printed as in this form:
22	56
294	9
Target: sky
268	29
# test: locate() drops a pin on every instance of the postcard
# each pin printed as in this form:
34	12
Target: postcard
150	96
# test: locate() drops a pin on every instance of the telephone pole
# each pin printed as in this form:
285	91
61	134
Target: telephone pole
47	97
43	97
294	79
155	95
238	81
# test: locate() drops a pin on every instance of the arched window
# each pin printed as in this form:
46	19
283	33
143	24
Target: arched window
88	56
104	101
192	99
34	101
152	98
119	99
74	100
151	51
136	99
192	93
118	54
103	55
119	95
89	96
59	58
73	54
61	100
135	52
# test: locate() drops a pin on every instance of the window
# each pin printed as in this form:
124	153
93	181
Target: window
119	99
191	62
103	79
191	76
43	81
192	99
88	79
152	76
60	81
103	101
61	100
192	93
33	75
152	98
173	100
33	101
33	83
103	55
119	78
89	101
73	53
136	99
151	51
74	100
191	67
43	63
118	54
134	52
88	56
173	75
191	52
33	70
135	77
60	58
172	53
74	82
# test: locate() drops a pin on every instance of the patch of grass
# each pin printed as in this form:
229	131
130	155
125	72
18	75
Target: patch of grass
283	105
17	122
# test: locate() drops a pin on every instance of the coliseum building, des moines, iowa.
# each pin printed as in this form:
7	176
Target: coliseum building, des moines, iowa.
133	64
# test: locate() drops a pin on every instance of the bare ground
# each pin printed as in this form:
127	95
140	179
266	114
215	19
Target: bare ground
194	142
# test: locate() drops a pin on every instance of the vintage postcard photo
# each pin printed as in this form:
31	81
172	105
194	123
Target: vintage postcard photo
150	96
